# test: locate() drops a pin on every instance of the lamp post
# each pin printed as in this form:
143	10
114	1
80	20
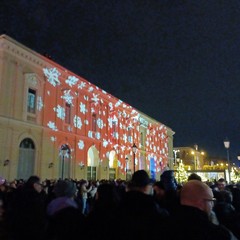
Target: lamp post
134	149
227	145
126	162
64	149
175	151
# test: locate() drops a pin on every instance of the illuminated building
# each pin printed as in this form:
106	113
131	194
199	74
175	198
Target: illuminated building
56	124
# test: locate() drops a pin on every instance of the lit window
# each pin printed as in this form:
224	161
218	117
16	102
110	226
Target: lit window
129	134
31	104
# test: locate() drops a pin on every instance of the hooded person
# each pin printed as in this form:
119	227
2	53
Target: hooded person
65	191
65	219
171	198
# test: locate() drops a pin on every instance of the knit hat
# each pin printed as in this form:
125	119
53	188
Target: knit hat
65	188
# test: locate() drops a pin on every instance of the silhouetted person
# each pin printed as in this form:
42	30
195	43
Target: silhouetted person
26	213
103	216
65	218
139	213
191	221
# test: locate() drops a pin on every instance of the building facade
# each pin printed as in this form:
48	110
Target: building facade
56	124
191	157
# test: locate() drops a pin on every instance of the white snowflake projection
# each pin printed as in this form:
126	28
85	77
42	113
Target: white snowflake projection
80	144
105	143
69	128
82	108
81	85
130	125
163	136
77	122
52	75
67	97
85	98
110	106
118	103
53	139
52	126
98	135
90	134
39	103
48	93
60	112
71	80
123	147
110	122
100	123
90	89
116	135
95	98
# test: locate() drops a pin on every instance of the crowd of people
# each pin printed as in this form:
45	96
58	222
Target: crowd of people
104	209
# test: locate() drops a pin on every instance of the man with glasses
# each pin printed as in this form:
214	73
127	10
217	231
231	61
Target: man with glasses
191	221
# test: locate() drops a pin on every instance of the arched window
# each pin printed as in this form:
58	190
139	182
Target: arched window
27	143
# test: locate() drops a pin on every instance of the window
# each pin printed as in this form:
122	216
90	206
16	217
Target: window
142	139
94	122
91	173
31	104
114	126
129	134
67	113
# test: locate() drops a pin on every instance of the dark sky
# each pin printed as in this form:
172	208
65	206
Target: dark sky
177	61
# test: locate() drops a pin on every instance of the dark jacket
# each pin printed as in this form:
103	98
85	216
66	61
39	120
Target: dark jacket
191	223
141	216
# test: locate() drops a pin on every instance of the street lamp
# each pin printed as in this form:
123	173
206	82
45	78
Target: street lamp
134	149
227	145
175	151
126	162
64	150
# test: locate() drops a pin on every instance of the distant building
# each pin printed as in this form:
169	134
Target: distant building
56	124
191	157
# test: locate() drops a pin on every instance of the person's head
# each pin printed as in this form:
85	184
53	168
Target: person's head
159	191
140	181
197	194
65	188
107	193
168	180
194	176
34	183
221	184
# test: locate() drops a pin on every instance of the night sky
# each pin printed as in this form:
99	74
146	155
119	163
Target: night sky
177	61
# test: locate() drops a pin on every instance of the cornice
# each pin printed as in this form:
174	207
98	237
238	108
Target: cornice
18	50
